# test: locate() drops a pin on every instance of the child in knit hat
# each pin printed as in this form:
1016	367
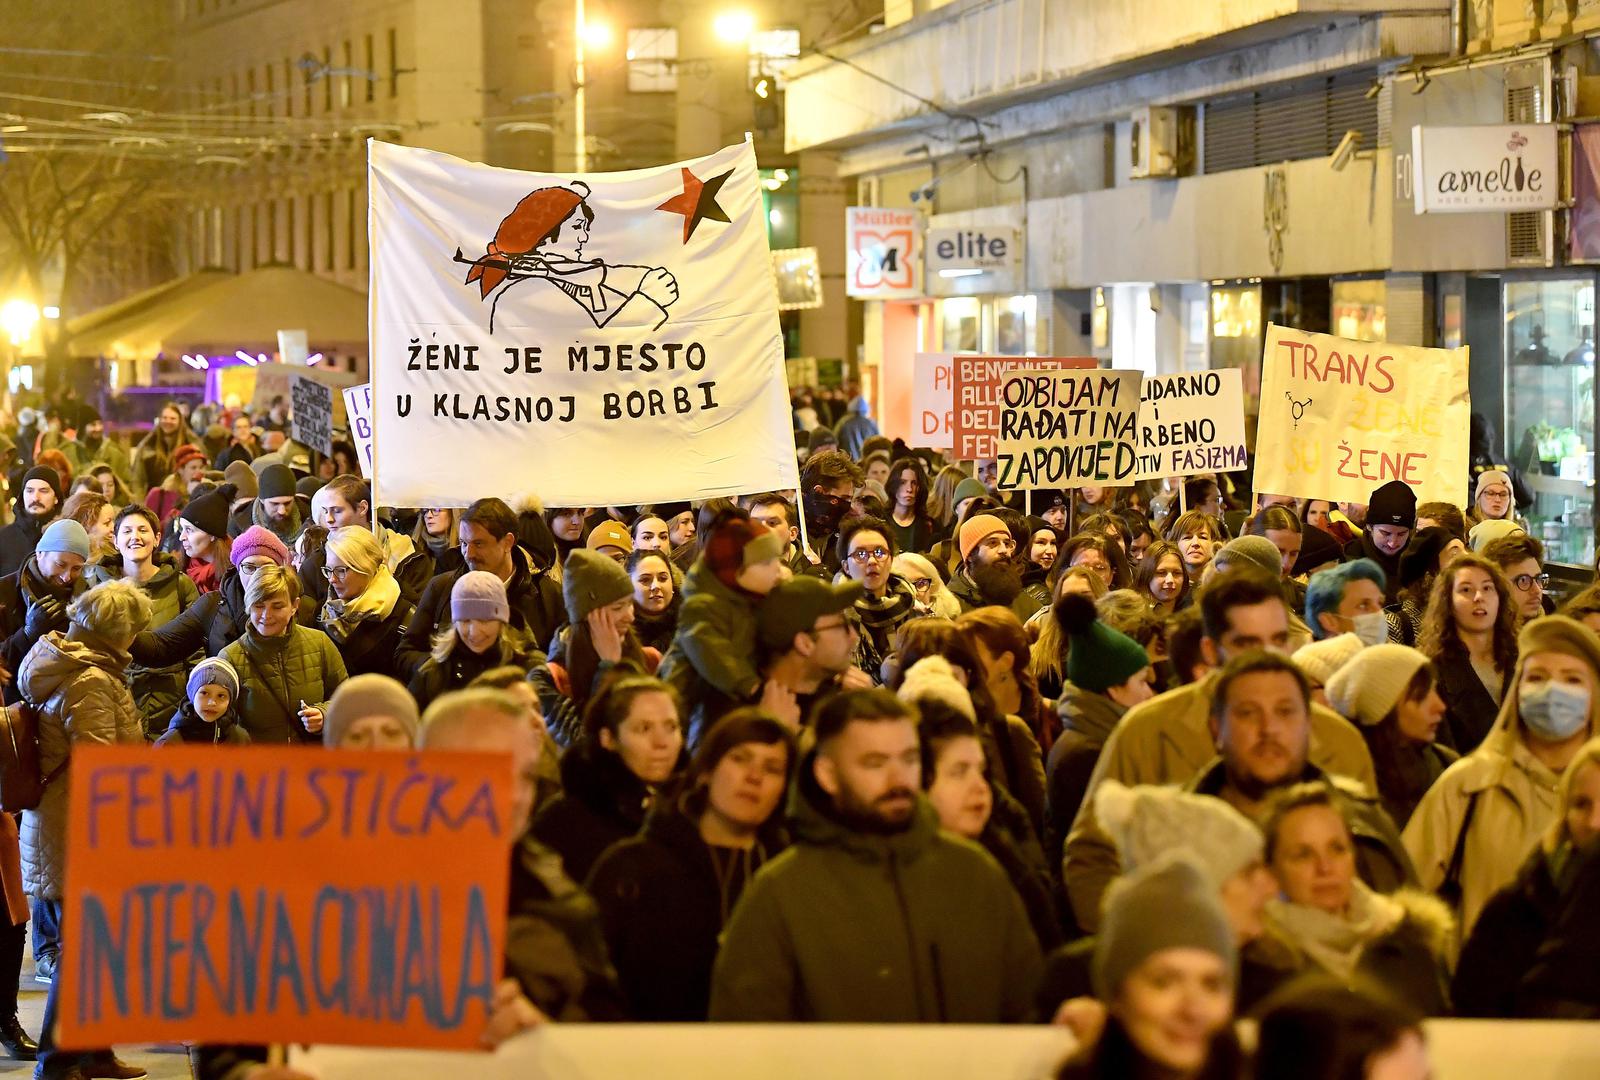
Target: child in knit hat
210	714
712	659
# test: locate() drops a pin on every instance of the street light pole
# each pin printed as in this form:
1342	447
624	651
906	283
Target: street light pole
580	154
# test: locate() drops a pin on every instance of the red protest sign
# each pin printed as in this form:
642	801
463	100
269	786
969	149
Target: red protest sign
975	417
283	895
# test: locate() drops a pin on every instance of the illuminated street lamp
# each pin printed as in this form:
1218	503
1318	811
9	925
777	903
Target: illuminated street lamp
733	27
18	318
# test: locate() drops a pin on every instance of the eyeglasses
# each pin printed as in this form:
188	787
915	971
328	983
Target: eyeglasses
1525	582
848	625
251	566
862	556
922	583
340	572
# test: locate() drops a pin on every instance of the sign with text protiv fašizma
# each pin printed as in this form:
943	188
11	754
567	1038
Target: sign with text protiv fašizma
597	340
283	895
1340	418
1495	168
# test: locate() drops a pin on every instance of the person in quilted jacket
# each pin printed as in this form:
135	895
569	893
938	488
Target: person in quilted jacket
76	680
287	672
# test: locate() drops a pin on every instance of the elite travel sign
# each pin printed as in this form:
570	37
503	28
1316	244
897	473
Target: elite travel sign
1495	168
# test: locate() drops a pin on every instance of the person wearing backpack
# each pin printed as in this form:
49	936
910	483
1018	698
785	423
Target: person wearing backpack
76	681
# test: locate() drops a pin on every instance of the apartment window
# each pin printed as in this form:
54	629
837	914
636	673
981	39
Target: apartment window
1291	123
237	246
350	229
271	102
272	231
371	79
394	63
289	232
250	89
346	94
288	88
652	60
215	257
305	78
327	80
327	231
772	51
311	233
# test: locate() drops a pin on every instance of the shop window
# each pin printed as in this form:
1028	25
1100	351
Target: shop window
962	323
653	60
1360	309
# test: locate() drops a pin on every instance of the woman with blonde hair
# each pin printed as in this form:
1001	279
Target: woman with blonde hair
932	593
365	614
438	533
478	637
1047	659
287	672
1517	920
941	499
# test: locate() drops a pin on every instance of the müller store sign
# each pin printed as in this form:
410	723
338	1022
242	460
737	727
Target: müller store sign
1496	168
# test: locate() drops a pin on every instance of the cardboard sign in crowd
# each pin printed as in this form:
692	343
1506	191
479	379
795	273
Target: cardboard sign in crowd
284	895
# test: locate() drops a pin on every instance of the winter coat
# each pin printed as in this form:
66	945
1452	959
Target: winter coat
83	456
711	662
601	803
1399	943
656	631
186	726
881	619
1017	764
457	670
165	502
18	593
77	686
918	536
1505	940
856	428
536	607
1471	710
17	542
663	904
965	590
209	625
555	947
1406	770
1167	740
1114	1056
371	648
1515	796
277	674
1087	720
1362	547
853	927
156	690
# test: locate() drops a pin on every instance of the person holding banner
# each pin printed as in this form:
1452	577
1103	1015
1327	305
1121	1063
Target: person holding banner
77	681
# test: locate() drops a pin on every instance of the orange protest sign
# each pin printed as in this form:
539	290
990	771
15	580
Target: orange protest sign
975	396
283	895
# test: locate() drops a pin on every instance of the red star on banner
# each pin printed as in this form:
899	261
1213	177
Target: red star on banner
698	201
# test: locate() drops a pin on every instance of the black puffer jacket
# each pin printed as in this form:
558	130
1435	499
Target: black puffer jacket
210	624
663	905
602	802
536	607
373	646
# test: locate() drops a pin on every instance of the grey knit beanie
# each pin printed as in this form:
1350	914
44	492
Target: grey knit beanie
1146	822
478	594
1168	904
590	581
369	695
214	671
1250	551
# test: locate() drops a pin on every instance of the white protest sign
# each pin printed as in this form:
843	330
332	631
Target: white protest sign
293	347
932	412
1341	418
1059	428
358	409
1191	423
608	339
311	420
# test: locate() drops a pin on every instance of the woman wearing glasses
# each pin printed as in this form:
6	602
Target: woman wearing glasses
866	554
365	614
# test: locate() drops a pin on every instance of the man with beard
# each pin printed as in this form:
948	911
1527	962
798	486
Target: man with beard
91	447
33	601
277	510
874	915
1391	517
1167	740
990	572
826	485
38	502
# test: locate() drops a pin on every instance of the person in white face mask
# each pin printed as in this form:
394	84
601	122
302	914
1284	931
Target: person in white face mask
1475	826
1348	599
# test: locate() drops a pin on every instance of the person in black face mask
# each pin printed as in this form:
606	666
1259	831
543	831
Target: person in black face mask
827	483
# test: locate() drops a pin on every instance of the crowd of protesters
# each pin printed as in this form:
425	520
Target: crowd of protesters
895	746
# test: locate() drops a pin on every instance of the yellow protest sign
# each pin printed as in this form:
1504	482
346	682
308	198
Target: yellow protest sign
1340	418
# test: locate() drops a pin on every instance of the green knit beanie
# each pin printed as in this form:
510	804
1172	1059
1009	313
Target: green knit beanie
590	581
1100	657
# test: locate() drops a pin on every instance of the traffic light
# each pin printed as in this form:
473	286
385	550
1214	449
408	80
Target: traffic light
764	97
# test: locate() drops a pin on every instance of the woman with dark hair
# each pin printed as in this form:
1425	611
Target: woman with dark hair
1320	1030
1469	632
632	748
1105	524
1140	534
1163	578
1196	534
655	598
1099	554
666	894
1039	556
907	488
867	550
1390	692
1315	513
1280	525
599	631
153	456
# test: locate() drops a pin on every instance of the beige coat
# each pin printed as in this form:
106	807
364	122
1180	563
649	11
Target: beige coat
1517	802
1167	740
78	688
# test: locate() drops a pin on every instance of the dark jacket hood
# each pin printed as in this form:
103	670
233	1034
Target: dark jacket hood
813	821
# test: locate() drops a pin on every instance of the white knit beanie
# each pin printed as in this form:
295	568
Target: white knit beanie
935	677
1320	659
1370	686
1147	821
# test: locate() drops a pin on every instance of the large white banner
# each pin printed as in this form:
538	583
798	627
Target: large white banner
608	339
